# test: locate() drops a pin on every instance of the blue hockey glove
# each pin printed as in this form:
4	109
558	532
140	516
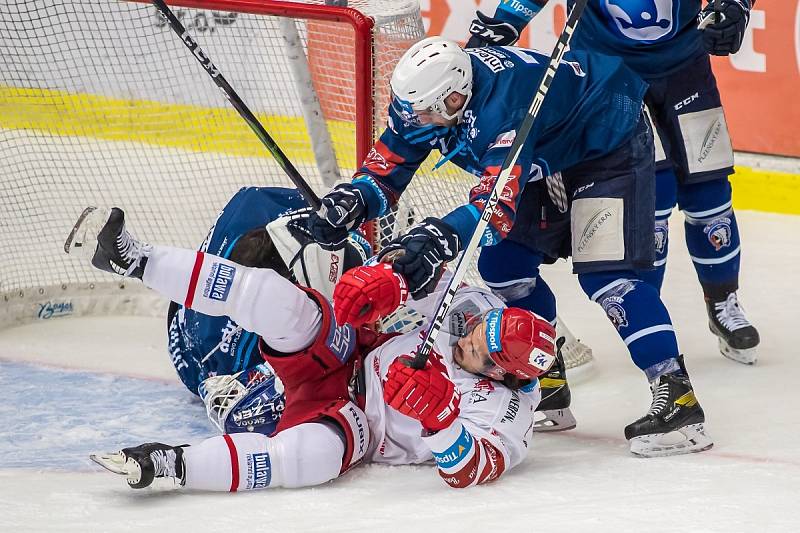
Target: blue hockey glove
343	209
723	24
427	247
488	31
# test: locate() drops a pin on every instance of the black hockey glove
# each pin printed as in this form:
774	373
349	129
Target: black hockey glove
343	209
723	23
426	248
488	31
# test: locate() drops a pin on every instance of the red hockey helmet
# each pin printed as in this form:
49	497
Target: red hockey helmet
520	342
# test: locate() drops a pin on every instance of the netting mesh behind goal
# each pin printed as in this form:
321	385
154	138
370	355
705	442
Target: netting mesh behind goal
101	104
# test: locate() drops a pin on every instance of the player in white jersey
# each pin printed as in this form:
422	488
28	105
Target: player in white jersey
470	409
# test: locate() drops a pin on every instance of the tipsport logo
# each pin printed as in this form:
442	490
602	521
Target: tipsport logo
642	20
493	330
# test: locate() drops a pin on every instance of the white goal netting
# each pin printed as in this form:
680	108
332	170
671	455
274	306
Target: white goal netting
102	104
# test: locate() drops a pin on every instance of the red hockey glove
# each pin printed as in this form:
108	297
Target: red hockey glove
366	293
427	394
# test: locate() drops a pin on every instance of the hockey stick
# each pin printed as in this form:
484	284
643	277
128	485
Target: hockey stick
239	105
713	17
502	179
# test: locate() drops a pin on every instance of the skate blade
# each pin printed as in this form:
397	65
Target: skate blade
553	420
119	464
83	236
688	439
748	356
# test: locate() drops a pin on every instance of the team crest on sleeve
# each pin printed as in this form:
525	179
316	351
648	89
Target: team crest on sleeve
219	281
642	20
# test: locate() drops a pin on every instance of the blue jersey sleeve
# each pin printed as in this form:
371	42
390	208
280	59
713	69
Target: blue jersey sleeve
390	165
464	219
518	13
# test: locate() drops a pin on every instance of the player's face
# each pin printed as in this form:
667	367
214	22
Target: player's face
472	354
431	118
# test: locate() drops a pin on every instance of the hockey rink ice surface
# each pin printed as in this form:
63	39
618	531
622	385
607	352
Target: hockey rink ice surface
75	386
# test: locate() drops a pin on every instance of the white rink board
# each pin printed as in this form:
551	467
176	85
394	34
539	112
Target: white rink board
583	480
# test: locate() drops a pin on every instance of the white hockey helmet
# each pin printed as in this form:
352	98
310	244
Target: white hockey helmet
427	73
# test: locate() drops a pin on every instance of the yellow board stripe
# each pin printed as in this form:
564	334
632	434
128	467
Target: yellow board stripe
208	129
195	128
766	190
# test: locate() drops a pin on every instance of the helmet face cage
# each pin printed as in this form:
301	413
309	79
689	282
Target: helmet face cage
405	111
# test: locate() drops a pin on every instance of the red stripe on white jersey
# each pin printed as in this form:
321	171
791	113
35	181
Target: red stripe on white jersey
198	265
234	462
494	464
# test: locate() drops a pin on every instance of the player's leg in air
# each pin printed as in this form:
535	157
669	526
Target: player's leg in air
696	141
511	271
613	243
314	441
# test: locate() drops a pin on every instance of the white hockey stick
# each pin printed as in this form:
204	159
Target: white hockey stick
504	177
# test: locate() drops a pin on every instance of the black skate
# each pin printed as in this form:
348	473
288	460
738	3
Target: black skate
142	464
675	423
553	412
738	339
117	251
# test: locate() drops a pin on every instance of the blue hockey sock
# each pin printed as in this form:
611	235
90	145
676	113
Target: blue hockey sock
712	235
636	310
666	197
511	271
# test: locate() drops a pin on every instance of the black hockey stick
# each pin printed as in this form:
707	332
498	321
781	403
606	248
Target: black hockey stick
715	16
239	105
502	179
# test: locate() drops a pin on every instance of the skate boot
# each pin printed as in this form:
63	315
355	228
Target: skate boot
142	464
117	251
675	422
738	339
553	412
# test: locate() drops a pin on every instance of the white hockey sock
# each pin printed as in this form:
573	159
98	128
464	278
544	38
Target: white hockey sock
305	455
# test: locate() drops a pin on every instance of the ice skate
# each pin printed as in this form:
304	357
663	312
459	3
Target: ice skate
738	339
117	251
142	464
553	412
675	422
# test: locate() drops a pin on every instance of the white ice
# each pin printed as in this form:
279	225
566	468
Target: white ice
582	480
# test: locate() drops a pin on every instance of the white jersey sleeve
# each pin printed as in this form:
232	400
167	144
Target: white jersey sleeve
258	299
490	436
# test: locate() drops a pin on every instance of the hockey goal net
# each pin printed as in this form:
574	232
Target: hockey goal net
101	104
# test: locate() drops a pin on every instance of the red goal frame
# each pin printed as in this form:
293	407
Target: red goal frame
362	28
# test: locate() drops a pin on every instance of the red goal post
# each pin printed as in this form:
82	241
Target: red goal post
362	47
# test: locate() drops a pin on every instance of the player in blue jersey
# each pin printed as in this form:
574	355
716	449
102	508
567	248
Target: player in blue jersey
213	356
668	42
593	141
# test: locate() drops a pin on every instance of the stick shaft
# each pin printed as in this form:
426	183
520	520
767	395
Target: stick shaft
239	105
500	183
